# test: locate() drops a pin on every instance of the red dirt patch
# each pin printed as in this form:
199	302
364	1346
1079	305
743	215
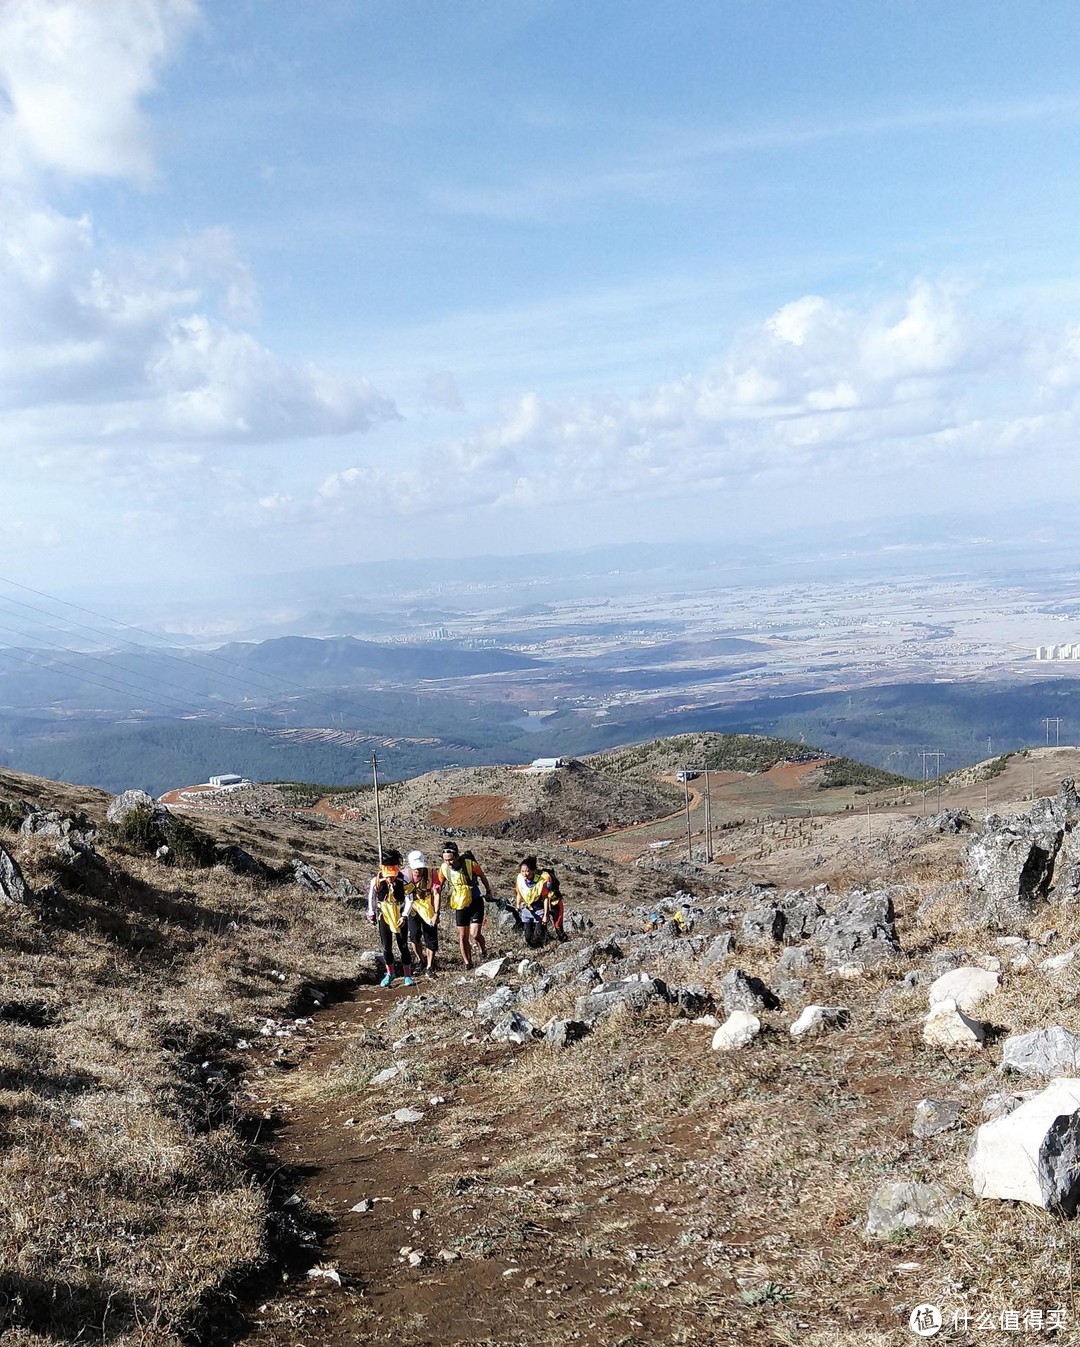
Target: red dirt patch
470	811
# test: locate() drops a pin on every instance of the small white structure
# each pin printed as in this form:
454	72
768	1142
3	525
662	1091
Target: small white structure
227	779
548	764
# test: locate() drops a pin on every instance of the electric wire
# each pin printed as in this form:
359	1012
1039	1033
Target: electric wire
128	626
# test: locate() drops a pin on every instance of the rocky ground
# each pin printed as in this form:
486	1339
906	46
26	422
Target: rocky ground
726	1110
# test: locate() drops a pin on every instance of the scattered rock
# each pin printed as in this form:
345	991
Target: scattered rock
514	1028
307	877
12	885
762	925
448	1256
791	991
950	1029
693	1000
498	1003
718	949
967	987
999	1103
632	993
816	1020
491	969
1043	1052
905	1206
389	1075
239	861
739	1029
1033	1154
935	1115
795	959
742	991
1056	962
407	1115
561	1033
859	933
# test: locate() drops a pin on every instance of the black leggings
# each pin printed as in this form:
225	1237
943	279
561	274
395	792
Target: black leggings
386	938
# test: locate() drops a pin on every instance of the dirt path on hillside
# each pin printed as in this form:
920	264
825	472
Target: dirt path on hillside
336	1159
696	798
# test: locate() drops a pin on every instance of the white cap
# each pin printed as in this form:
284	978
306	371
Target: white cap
417	860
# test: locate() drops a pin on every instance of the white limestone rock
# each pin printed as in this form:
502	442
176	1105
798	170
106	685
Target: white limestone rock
967	987
949	1028
740	1028
1033	1153
816	1020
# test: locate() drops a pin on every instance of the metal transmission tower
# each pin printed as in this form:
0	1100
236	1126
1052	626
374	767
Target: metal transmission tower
1056	722
937	754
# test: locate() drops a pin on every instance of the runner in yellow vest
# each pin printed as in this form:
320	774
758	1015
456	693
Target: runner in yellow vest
457	882
424	913
532	898
388	908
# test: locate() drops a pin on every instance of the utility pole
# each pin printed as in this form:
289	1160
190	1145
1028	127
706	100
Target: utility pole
1056	722
686	795
378	820
708	819
937	754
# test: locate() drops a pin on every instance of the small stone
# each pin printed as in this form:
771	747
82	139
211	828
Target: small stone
491	969
389	1075
407	1115
739	1029
514	1028
417	1213
742	991
816	1020
904	1206
935	1115
365	1204
448	1256
416	1258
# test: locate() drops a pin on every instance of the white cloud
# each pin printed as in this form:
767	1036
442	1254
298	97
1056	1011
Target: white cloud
99	346
846	398
73	73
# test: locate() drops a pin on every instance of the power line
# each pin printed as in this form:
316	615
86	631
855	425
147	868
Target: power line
85	678
129	626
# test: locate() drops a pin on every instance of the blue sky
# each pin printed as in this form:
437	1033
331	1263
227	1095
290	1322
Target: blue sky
314	276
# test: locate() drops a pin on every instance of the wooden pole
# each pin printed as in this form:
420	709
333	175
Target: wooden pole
378	820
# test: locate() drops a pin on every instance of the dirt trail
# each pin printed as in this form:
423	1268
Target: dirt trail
334	1161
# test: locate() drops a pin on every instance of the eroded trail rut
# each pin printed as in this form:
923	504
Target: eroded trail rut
340	1149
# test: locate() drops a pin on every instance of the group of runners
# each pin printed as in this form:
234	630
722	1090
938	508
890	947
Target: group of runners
405	902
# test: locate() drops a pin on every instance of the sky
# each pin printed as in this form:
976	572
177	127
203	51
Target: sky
287	285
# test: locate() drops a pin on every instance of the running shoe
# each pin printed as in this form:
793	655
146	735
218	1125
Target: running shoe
407	980
387	980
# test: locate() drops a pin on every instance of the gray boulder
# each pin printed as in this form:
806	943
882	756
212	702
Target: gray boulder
693	1001
742	991
576	923
762	925
128	801
1013	865
859	933
307	877
514	1028
793	960
802	913
562	1033
239	861
635	994
1043	1052
905	1206
12	885
718	949
498	1003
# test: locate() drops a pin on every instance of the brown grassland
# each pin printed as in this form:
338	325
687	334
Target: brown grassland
188	1118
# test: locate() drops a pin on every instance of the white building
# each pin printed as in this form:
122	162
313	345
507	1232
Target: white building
227	779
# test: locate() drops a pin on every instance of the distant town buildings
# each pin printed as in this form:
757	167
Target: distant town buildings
1066	651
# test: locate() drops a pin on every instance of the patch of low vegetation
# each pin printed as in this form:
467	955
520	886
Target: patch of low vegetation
839	772
717	752
302	794
146	831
